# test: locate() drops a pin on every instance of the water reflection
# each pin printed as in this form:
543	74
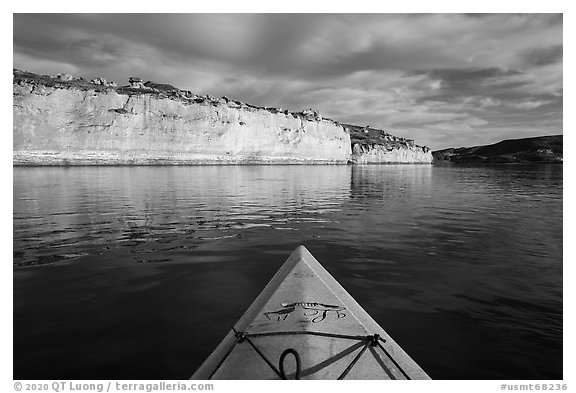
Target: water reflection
461	265
85	210
389	182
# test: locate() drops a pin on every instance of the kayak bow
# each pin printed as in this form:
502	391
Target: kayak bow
305	325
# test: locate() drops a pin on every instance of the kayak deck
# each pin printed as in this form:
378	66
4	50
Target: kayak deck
304	312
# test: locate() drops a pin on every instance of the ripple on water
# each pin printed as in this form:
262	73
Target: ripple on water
462	266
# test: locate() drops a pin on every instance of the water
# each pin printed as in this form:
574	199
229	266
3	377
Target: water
139	272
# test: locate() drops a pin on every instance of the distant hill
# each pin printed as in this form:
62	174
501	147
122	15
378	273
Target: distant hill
543	149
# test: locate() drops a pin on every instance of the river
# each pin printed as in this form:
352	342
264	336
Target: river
139	272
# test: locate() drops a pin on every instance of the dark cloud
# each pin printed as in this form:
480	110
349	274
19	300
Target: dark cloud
479	15
543	56
87	52
459	81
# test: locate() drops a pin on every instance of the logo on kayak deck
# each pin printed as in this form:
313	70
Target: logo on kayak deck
318	311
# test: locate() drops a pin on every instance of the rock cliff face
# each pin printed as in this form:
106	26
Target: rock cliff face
373	146
61	120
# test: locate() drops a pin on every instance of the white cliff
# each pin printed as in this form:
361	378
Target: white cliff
373	146
390	154
69	121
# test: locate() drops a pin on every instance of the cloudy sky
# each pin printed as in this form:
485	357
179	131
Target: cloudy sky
445	80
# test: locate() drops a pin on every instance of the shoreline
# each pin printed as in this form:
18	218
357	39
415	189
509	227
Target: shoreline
55	165
95	158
